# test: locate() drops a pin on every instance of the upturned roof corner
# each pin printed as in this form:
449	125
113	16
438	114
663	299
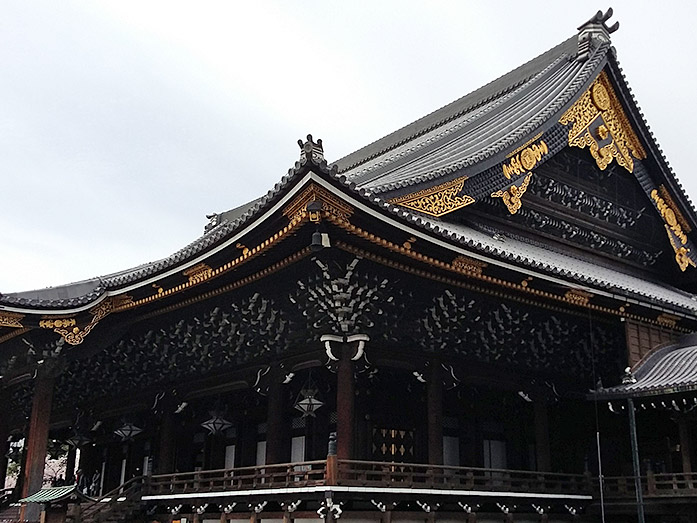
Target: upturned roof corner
594	32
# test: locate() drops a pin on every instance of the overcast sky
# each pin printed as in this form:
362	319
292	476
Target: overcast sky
122	124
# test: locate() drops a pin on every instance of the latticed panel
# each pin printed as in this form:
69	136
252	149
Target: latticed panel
393	444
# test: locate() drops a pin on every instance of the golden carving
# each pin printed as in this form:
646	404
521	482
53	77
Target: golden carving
11	319
314	193
466	264
198	273
121	301
678	215
578	297
676	234
57	323
600	108
437	200
525	160
76	334
667	320
512	196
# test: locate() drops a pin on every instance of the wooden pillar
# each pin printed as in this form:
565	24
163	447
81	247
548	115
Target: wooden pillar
542	450
37	441
685	444
434	404
275	417
167	444
345	397
70	466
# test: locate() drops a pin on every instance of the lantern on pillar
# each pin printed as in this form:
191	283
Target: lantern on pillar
128	431
217	423
308	400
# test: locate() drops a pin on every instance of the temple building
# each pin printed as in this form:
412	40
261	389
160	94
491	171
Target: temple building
483	316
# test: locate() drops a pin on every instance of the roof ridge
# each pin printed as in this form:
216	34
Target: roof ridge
477	102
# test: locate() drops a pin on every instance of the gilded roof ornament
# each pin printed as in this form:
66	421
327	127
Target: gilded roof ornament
11	319
599	122
674	229
331	204
512	196
437	200
525	159
73	333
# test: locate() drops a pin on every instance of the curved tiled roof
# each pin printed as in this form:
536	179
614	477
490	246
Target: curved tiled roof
671	369
485	128
475	127
47	298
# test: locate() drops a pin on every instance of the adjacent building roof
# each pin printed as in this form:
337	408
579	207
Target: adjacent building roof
666	370
56	494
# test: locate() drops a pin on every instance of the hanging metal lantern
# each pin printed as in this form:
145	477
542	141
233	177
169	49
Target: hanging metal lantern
15	451
128	431
216	424
78	439
308	400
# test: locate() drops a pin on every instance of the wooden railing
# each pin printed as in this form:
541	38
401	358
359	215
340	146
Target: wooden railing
382	474
244	478
367	473
129	492
652	485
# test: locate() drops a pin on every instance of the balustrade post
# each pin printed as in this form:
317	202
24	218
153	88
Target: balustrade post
651	482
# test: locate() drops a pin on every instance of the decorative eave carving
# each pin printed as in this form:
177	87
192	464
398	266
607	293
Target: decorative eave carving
70	330
667	320
599	122
676	234
678	215
524	159
512	196
578	297
198	273
11	319
469	265
314	193
437	200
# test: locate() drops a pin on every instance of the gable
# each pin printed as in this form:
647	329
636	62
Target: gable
584	179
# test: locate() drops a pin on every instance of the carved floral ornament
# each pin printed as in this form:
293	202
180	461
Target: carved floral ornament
599	122
512	195
69	329
524	159
676	233
314	193
11	319
438	200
